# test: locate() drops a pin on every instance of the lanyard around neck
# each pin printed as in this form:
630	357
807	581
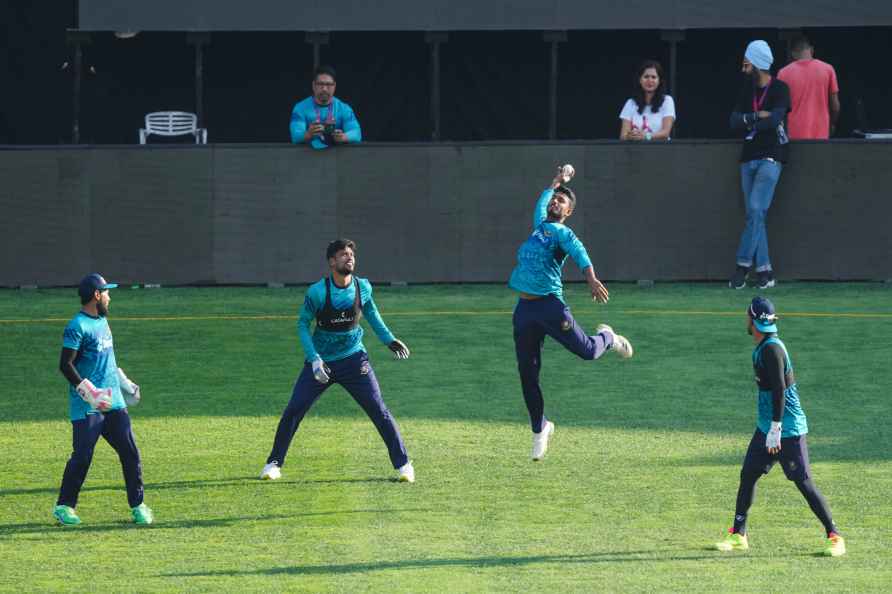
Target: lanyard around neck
330	117
757	106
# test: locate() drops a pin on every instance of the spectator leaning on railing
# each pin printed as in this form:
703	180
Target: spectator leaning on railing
814	93
650	113
323	120
760	113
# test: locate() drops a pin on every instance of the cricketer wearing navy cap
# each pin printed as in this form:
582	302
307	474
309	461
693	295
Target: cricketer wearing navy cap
780	431
96	402
763	316
92	283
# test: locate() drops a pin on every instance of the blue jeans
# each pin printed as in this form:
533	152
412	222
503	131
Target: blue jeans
758	179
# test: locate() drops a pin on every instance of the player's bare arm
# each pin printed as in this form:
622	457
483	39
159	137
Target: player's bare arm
598	289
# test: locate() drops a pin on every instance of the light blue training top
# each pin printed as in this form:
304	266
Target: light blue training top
306	112
541	257
334	346
92	339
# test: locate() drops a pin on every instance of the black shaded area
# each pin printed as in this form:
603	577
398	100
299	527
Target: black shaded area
494	83
253	81
495	86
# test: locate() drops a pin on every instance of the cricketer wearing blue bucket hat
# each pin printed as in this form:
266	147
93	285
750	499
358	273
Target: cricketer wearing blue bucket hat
92	283
762	313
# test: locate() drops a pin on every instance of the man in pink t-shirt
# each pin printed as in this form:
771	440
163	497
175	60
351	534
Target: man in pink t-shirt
814	94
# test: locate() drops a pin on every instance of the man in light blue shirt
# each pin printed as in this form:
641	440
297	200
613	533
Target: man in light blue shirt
323	120
97	407
335	354
541	309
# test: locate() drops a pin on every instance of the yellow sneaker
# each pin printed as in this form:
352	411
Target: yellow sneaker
733	542
836	546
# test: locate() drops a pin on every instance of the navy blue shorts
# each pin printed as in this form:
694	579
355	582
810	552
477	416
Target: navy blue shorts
793	457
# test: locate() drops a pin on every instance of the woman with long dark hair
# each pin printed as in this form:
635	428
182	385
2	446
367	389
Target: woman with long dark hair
650	113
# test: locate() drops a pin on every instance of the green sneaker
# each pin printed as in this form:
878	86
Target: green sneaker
66	515
142	515
733	542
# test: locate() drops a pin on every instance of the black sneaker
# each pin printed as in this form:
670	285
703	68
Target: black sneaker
766	280
738	281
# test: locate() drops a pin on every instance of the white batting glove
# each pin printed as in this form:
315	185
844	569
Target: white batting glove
773	439
100	399
320	371
129	389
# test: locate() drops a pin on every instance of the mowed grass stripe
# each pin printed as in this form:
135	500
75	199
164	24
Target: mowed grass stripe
639	480
628	312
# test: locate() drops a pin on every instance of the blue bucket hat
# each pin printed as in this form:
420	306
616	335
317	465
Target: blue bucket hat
761	312
92	283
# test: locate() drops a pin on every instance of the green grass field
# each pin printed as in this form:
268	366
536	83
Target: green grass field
640	478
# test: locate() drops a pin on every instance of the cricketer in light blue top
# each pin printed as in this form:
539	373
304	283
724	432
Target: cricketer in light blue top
91	337
541	257
308	112
793	422
334	346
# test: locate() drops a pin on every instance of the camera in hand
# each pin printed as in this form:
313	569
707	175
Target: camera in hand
328	131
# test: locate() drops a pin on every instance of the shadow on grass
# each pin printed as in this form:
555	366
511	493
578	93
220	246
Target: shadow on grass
10	530
174	485
476	562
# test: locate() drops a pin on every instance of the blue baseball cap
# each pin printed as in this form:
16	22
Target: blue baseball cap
761	312
92	283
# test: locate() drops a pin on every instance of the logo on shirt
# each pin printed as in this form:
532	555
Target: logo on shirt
105	343
99	344
343	318
542	235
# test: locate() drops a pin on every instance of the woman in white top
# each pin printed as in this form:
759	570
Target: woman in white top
650	113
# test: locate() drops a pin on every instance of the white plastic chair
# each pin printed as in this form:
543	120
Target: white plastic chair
173	123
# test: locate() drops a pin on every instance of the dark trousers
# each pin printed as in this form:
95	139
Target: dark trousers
533	320
114	427
356	375
793	457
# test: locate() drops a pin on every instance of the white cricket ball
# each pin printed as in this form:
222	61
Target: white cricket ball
567	172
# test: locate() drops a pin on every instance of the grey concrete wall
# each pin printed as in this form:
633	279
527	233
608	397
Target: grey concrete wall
471	15
233	214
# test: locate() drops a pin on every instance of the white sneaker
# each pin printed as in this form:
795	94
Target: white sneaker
621	344
407	473
540	441
271	472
